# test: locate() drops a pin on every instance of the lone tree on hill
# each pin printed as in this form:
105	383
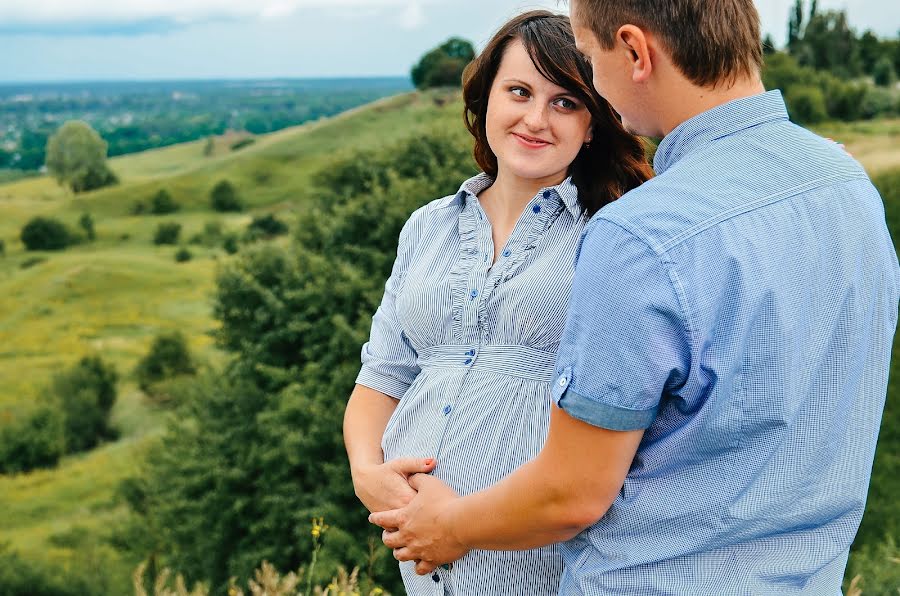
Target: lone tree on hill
443	66
76	157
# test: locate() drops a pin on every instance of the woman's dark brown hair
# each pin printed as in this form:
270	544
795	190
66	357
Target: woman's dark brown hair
614	163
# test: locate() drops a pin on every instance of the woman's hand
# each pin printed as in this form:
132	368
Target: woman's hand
382	487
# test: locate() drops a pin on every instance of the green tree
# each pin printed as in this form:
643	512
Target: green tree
86	222
169	356
76	157
883	72
45	233
36	440
223	197
443	66
163	203
86	393
167	233
806	104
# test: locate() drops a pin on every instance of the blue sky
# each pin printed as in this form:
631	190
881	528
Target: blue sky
53	40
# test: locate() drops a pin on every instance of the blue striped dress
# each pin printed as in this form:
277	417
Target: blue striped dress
468	347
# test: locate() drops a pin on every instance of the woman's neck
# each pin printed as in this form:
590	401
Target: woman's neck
506	198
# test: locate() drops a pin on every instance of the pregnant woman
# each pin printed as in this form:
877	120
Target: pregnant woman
455	376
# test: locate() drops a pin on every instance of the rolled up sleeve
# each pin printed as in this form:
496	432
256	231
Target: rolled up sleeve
627	341
389	361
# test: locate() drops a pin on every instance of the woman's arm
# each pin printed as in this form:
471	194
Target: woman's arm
380	486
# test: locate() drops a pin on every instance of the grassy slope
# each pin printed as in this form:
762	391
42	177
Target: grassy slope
114	295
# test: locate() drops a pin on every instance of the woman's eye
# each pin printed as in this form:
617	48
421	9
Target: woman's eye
519	91
566	103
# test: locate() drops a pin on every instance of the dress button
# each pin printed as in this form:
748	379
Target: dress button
468	361
447	409
506	253
563	382
536	208
470	353
436	577
546	194
473	294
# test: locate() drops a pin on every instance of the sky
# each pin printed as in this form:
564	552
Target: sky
78	40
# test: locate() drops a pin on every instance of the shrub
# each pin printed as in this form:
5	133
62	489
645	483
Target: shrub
34	441
138	208
182	255
806	104
31	262
168	357
878	102
266	226
883	72
19	577
242	143
230	244
86	222
2	248
86	394
46	233
163	203
223	197
167	233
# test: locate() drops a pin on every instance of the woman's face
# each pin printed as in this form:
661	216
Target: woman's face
534	127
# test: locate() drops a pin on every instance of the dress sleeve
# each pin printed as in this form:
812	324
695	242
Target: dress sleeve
389	362
627	341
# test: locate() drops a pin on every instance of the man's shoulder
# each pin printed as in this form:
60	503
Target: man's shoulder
729	177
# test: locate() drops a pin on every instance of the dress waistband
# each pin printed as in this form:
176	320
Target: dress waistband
512	360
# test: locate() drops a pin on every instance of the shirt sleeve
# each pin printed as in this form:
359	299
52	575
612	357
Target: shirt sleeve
626	342
389	362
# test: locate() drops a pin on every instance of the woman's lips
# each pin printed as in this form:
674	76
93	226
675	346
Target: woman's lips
531	142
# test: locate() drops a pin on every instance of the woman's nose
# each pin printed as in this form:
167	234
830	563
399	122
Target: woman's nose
536	117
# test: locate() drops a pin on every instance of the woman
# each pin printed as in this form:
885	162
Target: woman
455	377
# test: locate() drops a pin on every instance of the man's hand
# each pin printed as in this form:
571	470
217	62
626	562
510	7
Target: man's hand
382	487
424	531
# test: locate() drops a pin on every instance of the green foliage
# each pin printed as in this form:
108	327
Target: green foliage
2	248
86	223
878	568
162	203
183	255
807	104
168	357
167	233
242	143
883	72
265	226
223	197
46	233
19	577
230	243
443	66
36	440
76	157
86	394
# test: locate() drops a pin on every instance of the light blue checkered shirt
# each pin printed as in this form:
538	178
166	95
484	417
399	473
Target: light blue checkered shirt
740	307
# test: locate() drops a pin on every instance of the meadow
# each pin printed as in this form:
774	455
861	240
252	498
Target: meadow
113	295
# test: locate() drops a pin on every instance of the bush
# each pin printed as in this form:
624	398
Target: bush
86	222
878	102
168	357
806	104
2	248
242	143
35	441
163	203
19	577
266	226
230	244
31	262
138	208
167	233
183	255
86	394
223	197
883	72
46	233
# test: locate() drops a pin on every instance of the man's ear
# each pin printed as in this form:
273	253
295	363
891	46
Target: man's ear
633	41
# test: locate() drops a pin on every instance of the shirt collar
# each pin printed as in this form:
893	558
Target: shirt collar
565	190
721	121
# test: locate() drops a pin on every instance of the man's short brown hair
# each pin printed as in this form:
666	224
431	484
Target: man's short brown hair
712	42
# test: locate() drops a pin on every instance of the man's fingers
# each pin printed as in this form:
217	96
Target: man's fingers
412	465
425	567
388	520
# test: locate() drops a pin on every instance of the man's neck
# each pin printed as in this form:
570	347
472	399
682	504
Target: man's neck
684	100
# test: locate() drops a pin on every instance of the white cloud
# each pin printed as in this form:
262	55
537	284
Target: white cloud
68	12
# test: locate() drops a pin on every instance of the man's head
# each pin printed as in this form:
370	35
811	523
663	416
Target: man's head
711	45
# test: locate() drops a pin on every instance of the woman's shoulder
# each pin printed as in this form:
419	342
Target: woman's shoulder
438	213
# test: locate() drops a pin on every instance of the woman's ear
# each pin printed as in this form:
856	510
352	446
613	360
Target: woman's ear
634	43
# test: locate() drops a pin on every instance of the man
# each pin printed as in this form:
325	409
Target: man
724	367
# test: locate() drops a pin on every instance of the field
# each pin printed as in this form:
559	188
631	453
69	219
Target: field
113	295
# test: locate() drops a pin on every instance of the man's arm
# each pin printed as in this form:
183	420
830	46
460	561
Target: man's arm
566	488
378	485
